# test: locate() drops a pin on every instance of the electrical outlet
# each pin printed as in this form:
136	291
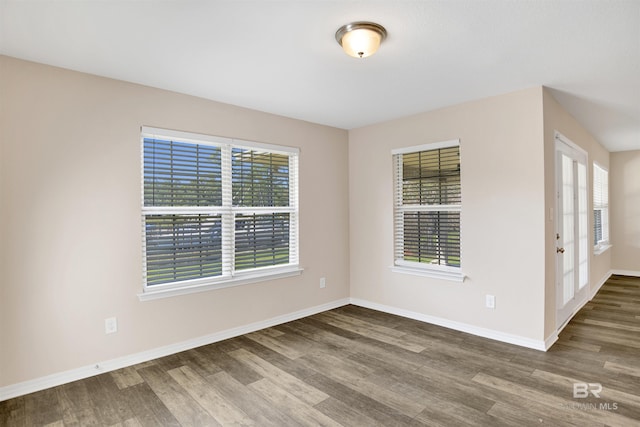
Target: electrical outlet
490	301
323	282
110	325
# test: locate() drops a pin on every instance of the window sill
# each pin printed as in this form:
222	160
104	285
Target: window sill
601	249
240	279
454	276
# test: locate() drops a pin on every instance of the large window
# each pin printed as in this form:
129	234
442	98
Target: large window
427	210
216	211
600	208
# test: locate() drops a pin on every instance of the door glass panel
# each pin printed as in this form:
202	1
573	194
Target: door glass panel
583	233
568	210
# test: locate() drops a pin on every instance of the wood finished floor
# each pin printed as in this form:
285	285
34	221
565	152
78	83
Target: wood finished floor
357	367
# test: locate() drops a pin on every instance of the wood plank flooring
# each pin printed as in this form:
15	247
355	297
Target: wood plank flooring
357	367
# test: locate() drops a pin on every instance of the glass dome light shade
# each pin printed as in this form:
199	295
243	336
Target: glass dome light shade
361	39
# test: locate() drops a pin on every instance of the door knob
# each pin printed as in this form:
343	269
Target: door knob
560	250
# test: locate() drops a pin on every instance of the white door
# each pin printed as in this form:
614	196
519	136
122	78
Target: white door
572	237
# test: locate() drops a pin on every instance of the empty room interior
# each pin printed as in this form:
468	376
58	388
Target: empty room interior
338	213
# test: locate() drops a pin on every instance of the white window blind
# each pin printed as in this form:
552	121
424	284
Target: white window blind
215	209
600	207
427	207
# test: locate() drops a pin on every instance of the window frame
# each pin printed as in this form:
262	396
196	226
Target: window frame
601	191
227	212
400	265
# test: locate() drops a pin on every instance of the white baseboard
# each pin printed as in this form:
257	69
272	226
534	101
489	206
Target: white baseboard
626	273
600	283
593	293
20	389
608	276
459	326
551	339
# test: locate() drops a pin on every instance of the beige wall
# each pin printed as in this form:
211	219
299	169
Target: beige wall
4	319
70	220
557	119
70	244
624	188
502	220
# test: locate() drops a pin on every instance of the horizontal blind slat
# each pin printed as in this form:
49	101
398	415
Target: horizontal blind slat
429	181
181	173
182	247
191	191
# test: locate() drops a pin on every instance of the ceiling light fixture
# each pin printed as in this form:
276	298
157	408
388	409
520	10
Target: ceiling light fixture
361	39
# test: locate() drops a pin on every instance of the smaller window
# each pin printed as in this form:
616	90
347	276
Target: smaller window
427	210
600	208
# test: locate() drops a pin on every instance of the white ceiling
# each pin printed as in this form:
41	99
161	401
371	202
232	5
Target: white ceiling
281	56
